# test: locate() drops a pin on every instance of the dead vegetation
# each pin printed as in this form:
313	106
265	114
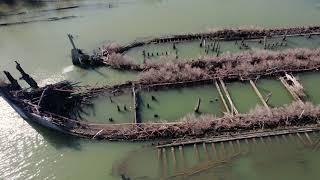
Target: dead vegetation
219	34
245	65
293	115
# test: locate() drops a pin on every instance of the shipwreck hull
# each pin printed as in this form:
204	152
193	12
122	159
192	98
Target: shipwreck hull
31	117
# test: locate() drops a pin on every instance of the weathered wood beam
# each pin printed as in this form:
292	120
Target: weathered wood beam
233	107
293	94
259	95
245	136
221	97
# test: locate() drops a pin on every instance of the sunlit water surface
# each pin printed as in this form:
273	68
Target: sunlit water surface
31	152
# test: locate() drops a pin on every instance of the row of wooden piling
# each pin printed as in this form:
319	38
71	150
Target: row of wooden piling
222	155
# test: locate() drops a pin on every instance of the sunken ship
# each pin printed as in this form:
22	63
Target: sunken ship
59	106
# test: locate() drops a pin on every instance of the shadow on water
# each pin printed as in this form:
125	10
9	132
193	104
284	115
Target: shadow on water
57	139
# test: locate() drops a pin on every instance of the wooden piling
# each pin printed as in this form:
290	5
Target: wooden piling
221	97
262	140
284	138
238	144
205	151
136	97
223	152
259	95
159	154
214	150
265	42
232	147
196	109
182	157
301	139
195	147
308	137
233	107
174	159
165	162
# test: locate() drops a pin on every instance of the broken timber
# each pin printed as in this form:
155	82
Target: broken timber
136	99
290	90
259	95
221	96
233	107
241	136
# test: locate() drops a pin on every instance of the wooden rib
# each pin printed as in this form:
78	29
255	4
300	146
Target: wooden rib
182	157
301	139
308	137
233	107
214	150
238	143
205	150
232	147
221	97
259	95
293	94
174	159
196	151
165	162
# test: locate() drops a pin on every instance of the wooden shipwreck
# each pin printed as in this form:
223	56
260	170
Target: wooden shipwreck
58	107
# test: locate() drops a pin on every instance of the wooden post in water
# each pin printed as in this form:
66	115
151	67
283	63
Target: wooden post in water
262	140
137	117
232	147
195	147
239	147
205	150
301	139
214	150
196	109
182	157
223	152
165	162
308	137
174	159
284	138
233	107
265	42
259	95
222	98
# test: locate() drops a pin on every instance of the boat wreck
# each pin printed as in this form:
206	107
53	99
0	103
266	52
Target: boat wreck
58	107
111	55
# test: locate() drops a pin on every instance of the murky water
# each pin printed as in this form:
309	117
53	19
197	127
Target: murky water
191	50
173	104
257	158
31	152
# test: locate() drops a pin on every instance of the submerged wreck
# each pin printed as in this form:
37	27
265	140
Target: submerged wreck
58	106
112	55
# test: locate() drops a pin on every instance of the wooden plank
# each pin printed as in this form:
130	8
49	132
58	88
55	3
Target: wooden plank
165	163
205	151
232	147
259	95
233	107
287	86
214	150
238	144
196	151
221	97
182	157
174	159
246	135
308	137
